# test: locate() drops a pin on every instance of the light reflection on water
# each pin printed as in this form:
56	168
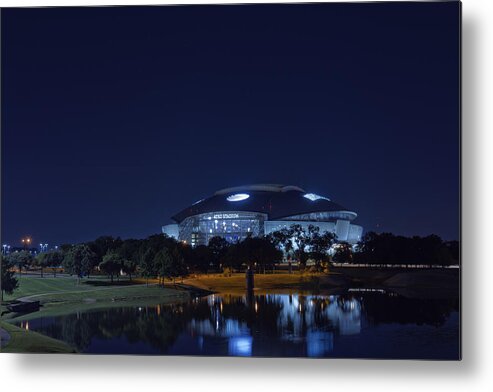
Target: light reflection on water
296	321
356	324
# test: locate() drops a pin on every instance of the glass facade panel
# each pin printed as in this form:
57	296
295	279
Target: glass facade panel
233	226
323	216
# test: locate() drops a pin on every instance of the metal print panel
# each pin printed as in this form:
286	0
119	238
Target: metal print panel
236	180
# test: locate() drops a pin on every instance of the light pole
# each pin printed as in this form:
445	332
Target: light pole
26	242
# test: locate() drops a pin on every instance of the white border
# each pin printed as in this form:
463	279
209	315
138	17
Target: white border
128	373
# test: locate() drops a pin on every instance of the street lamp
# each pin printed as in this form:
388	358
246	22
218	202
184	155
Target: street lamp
26	242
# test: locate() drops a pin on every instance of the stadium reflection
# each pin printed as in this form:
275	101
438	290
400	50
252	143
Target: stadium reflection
360	324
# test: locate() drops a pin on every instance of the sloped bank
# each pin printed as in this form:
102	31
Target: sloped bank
24	341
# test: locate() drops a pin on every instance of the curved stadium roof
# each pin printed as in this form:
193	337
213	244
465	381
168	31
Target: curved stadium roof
277	201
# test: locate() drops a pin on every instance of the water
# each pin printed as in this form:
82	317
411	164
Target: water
355	324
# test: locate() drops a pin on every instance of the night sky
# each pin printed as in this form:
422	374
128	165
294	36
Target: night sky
116	118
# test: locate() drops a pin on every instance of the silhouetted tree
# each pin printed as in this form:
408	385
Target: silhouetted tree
21	259
386	248
146	263
234	257
112	264
343	253
320	244
41	261
260	252
129	249
51	258
129	267
104	244
169	264
79	261
218	247
283	240
200	258
9	281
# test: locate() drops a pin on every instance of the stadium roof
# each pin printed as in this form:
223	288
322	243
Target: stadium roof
277	201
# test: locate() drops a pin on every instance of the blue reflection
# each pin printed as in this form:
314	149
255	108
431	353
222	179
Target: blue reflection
288	325
318	344
240	346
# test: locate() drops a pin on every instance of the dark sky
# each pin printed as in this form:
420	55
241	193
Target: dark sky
114	119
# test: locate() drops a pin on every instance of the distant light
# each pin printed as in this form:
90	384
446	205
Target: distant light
238	197
313	197
198	201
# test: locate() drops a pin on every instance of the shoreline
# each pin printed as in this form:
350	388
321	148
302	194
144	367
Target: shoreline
22	341
425	284
336	280
66	302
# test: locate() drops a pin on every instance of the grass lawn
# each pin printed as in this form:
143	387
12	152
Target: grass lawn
64	295
34	286
23	341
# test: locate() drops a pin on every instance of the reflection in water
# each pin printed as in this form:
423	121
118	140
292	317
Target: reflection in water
358	324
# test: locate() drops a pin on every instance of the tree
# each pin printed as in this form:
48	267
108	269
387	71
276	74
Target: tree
112	264
51	258
387	248
21	259
129	249
200	258
54	258
79	261
453	249
343	253
129	267
41	261
234	256
302	239
163	264
102	245
146	263
283	240
320	245
9	281
218	247
260	252
179	268
169	264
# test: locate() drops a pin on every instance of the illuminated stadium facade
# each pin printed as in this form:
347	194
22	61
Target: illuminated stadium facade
257	210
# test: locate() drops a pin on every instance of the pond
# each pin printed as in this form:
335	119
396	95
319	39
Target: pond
354	324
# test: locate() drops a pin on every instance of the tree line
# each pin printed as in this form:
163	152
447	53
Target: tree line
162	257
387	248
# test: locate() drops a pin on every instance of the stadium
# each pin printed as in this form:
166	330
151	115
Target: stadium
257	210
